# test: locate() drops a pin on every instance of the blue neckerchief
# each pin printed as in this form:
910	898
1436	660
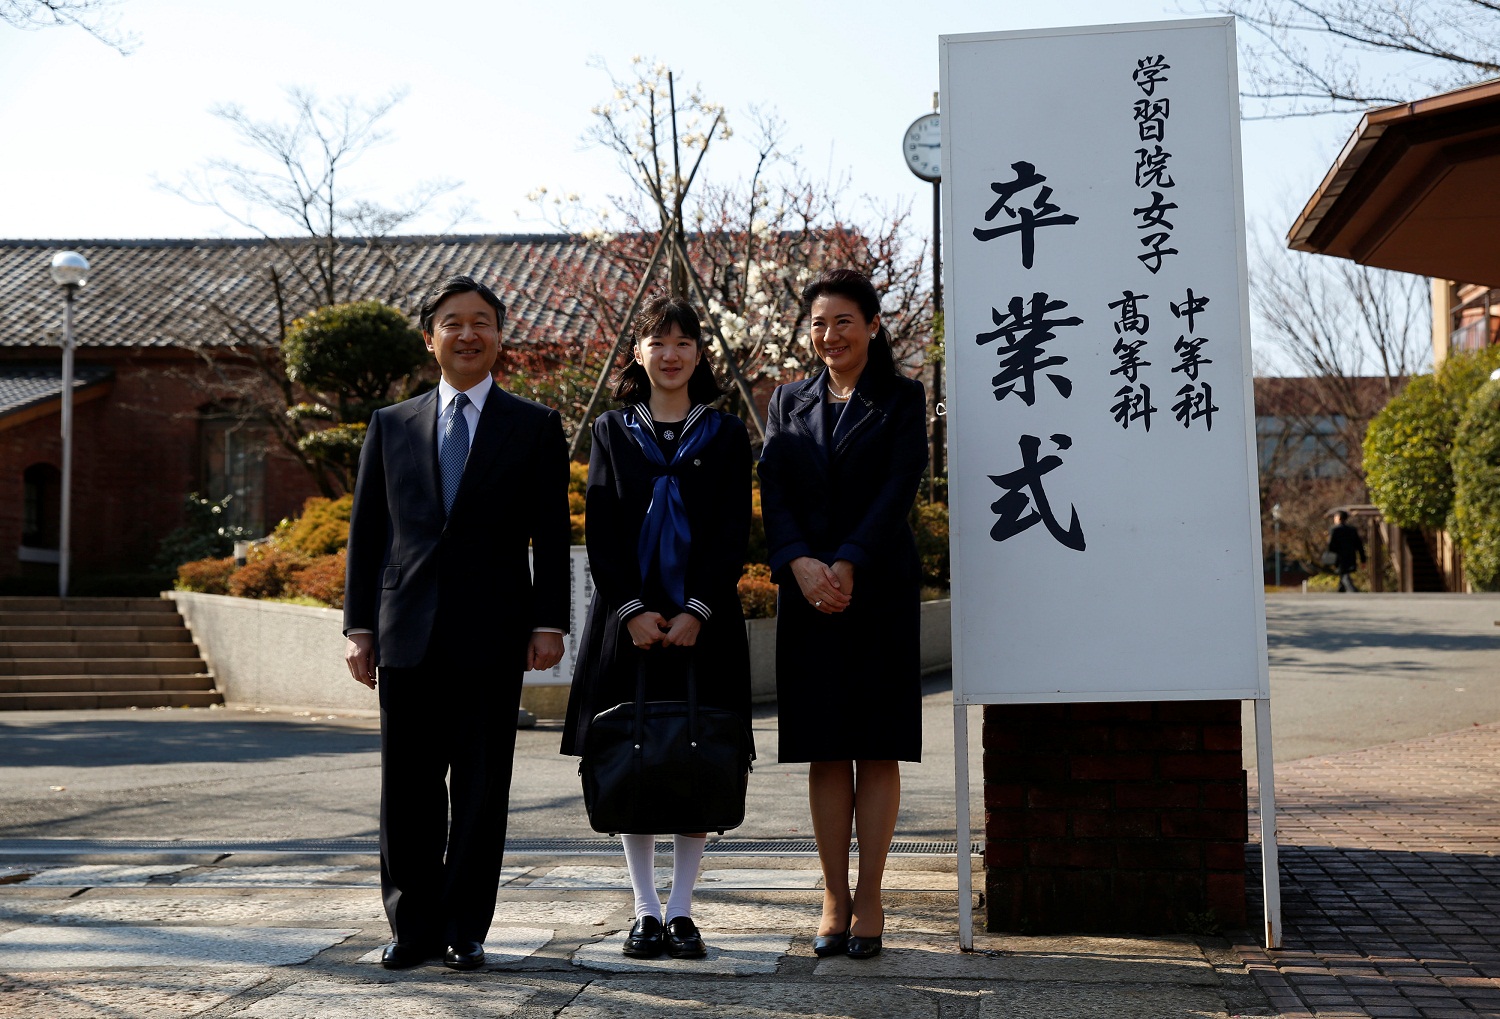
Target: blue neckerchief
665	534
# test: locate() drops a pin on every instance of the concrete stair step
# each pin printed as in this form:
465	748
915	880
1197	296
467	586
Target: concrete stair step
74	649
197	682
101	666
16	603
164	634
116	699
83	618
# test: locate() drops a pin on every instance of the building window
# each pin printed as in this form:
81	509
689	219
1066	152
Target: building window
41	511
233	459
1474	319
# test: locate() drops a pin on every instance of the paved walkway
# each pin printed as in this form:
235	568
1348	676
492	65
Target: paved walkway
1390	860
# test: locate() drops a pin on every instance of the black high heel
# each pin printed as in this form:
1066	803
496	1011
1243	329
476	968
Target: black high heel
863	948
825	945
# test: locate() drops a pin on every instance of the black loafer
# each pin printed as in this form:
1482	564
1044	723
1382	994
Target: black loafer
825	945
683	939
645	940
403	955
862	948
464	955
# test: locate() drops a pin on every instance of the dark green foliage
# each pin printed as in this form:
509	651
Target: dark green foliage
204	535
355	353
1476	488
1409	444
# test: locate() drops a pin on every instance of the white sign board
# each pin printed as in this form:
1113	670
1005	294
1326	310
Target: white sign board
1102	485
581	592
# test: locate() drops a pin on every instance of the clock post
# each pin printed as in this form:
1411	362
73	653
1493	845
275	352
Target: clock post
921	146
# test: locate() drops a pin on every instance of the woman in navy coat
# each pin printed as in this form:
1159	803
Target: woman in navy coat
844	454
667	525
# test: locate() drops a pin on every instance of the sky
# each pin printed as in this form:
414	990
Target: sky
499	95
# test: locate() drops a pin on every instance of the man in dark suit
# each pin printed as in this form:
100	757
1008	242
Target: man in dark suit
453	486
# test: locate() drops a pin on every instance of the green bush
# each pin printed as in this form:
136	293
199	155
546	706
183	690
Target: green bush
1476	487
203	535
1409	444
930	523
321	529
357	351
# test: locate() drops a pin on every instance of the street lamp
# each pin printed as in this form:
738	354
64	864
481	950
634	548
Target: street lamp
1276	538
70	270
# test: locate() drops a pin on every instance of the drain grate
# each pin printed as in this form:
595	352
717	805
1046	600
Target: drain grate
369	847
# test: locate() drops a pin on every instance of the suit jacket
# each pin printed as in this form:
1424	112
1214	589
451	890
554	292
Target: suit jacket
844	496
411	567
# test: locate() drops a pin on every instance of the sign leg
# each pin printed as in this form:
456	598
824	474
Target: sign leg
965	839
1270	870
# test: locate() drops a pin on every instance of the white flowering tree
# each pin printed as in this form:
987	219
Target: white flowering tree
740	250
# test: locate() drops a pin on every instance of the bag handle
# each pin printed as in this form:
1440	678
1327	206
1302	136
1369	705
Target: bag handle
640	699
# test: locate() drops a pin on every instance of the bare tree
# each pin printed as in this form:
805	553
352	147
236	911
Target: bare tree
1355	334
96	17
324	245
296	189
746	247
1309	57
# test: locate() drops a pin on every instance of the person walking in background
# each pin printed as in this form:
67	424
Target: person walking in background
667	524
441	605
844	454
1347	548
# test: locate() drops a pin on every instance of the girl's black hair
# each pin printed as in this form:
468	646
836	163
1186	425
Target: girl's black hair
856	286
656	318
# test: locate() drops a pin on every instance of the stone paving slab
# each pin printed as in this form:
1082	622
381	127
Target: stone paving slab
98	947
329	999
734	955
157	994
504	946
618	877
1390	861
205	909
729	999
1091	1001
94	874
1073	960
272	876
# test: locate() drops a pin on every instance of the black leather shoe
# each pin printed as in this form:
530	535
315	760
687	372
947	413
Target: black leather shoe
863	948
645	940
464	955
825	945
683	939
402	955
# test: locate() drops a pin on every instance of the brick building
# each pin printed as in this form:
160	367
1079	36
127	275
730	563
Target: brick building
163	329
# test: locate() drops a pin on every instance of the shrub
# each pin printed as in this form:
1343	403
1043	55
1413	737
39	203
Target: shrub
757	593
1476	487
578	486
322	579
322	529
757	551
1409	444
931	528
268	574
203	535
208	576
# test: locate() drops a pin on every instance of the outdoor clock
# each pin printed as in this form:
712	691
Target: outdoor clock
922	147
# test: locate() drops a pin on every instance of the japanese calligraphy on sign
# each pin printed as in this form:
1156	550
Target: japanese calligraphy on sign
1101	483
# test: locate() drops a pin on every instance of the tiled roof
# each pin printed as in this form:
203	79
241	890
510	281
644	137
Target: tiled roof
166	293
23	386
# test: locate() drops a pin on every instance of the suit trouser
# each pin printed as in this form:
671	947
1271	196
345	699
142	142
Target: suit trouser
441	844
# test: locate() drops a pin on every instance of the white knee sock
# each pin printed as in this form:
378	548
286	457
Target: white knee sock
640	860
687	854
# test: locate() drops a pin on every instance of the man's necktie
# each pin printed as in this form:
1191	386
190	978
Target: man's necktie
453	450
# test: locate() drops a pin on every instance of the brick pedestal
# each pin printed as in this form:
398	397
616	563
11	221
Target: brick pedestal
1114	818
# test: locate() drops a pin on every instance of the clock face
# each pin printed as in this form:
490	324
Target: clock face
922	147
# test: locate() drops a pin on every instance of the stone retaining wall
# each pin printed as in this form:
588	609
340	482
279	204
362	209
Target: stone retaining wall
268	654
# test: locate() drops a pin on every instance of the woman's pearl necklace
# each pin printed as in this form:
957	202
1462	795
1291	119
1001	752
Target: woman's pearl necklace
839	397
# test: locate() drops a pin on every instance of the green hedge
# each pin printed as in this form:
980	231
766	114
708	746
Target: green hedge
1476	489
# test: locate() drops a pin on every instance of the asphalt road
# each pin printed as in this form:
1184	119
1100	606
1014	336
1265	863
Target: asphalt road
1346	672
